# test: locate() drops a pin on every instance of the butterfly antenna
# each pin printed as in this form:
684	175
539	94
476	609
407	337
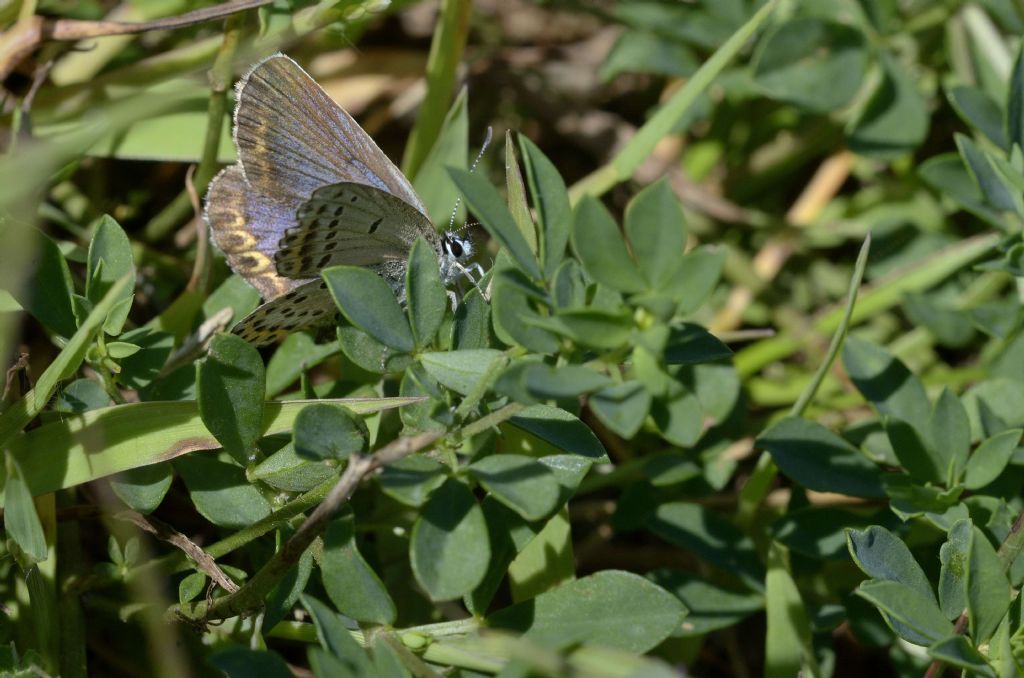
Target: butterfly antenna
487	142
458	201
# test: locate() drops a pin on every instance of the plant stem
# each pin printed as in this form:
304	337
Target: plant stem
251	596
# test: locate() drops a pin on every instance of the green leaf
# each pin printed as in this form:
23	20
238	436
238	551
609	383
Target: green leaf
229	389
710	536
352	585
336	639
296	354
145	487
329	432
882	555
118	316
450	149
915	617
220	491
886	382
110	258
282	598
521	483
914	454
472	326
568	381
946	174
593	326
599	246
20	518
957	651
991	457
81	395
980	112
610	608
425	293
1015	103
818	65
412	480
788	645
710	606
488	206
820	460
679	417
544	561
622	408
988	591
48	298
955	556
144	367
643	52
950	432
895	119
551	200
516	191
952	327
560	429
462	371
82	448
241	662
996	190
22	411
368	302
820	531
690	344
121	349
286	470
696	277
449	548
515	319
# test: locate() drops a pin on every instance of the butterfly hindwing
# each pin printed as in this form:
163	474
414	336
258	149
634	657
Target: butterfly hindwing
350	224
307	306
246	226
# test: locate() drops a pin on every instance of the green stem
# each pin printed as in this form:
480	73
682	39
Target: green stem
445	53
221	75
668	116
758	485
883	295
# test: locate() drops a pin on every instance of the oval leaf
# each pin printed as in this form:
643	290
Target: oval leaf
369	303
449	548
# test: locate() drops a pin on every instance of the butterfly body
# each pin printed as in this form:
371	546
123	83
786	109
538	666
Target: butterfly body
311	190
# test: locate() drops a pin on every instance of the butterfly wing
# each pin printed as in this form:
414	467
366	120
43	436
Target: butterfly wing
307	306
293	139
351	224
247	227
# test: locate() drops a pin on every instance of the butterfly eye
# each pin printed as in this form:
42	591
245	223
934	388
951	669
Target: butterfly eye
455	247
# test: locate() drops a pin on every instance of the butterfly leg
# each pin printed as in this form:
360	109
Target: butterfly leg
467	271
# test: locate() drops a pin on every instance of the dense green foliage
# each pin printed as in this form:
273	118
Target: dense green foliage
680	422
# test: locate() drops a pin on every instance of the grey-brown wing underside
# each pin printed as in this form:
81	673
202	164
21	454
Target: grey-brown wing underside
293	139
352	224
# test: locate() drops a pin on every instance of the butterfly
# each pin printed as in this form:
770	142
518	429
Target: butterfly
310	190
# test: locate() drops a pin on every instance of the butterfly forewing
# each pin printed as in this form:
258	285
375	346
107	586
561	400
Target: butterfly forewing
350	224
292	138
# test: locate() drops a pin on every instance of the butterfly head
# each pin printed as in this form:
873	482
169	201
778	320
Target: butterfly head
456	246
